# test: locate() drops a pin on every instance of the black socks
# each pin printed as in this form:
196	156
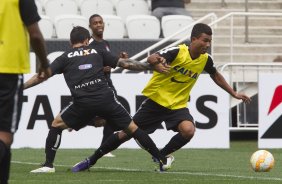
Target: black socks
147	143
175	143
107	132
112	143
5	161
53	142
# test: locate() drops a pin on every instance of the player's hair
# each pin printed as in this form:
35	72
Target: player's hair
93	16
200	28
79	35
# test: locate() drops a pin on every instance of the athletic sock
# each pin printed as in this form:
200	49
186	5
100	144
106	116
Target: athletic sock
175	143
112	143
3	149
5	166
148	144
53	142
107	132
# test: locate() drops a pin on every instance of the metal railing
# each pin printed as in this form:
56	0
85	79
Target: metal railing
245	79
147	51
231	26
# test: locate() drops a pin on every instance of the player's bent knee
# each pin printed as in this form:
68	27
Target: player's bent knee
123	136
187	129
6	137
59	123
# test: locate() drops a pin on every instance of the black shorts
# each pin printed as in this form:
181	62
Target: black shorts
11	98
150	115
77	116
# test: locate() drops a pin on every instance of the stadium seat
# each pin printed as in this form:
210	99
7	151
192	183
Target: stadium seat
46	26
114	2
125	8
65	23
39	5
90	7
53	8
114	27
172	23
143	27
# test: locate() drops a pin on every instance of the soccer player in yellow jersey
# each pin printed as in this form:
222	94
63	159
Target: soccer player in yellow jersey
167	92
18	27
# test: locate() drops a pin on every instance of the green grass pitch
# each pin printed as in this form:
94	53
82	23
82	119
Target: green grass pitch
134	166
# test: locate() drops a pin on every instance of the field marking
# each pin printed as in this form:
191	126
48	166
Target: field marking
170	172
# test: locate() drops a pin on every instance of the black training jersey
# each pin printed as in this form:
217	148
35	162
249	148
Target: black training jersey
83	72
171	53
103	45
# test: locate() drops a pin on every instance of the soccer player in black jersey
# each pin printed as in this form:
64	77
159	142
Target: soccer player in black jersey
168	93
82	67
96	24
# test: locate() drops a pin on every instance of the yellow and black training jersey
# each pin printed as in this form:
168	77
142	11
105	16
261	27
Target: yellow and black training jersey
172	90
15	15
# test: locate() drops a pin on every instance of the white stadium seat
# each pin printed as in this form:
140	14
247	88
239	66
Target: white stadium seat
46	26
65	23
114	2
125	8
114	27
39	5
53	8
143	27
90	7
172	23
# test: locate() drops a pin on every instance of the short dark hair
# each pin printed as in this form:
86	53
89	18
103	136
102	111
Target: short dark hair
93	16
79	34
200	28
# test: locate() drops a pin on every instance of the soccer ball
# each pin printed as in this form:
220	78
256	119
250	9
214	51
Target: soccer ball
262	161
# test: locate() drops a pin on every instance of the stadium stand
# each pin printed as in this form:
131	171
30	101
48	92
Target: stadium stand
125	8
46	26
55	8
143	27
90	7
39	5
173	23
65	23
114	27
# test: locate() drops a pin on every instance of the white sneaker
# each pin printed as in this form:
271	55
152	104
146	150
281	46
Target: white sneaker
169	160
44	170
109	155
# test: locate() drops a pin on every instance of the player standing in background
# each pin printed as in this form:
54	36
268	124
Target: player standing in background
168	93
18	20
82	67
96	24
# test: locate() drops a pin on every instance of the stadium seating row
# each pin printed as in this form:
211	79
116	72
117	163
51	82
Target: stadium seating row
135	26
122	8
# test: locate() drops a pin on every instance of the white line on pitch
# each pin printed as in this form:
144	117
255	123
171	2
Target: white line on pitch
170	172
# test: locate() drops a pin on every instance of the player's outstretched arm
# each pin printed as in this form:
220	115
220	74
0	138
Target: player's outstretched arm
131	64
33	81
220	81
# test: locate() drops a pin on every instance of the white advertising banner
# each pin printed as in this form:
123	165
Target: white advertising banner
209	105
270	111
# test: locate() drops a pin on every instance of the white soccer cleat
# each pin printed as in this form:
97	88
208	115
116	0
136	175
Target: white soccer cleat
44	170
167	166
109	155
